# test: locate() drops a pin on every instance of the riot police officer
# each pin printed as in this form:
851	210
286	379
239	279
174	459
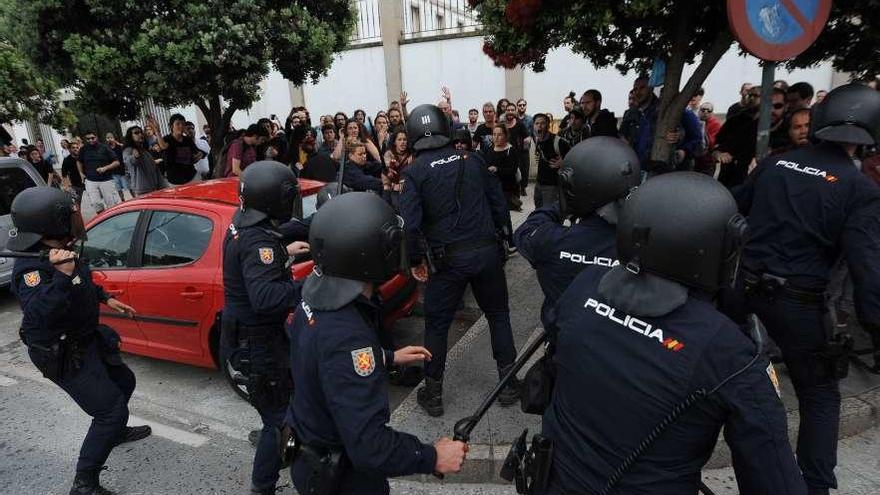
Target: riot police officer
805	208
453	212
259	294
59	326
669	369
595	178
340	411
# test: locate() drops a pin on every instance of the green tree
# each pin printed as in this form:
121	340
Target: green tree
210	53
630	35
26	94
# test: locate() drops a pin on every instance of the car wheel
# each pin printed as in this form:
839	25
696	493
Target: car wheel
230	373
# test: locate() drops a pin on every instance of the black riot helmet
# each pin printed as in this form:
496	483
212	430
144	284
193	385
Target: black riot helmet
682	226
357	236
596	172
848	114
267	189
427	127
39	212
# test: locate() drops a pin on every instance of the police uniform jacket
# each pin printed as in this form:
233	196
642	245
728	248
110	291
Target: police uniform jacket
804	209
619	375
55	304
449	197
559	253
341	399
257	281
364	178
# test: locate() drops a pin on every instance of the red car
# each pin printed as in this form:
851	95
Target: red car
162	254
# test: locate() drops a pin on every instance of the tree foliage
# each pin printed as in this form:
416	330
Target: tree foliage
211	53
631	34
25	93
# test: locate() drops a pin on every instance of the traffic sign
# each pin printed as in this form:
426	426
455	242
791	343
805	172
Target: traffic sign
777	30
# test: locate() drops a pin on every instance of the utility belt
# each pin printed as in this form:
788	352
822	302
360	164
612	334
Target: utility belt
773	286
529	468
253	364
437	256
325	466
833	360
61	357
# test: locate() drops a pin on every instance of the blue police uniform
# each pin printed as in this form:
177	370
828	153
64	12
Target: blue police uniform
804	209
640	368
59	325
259	294
451	203
558	253
341	400
364	178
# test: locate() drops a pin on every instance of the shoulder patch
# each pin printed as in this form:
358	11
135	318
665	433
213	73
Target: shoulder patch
32	279
364	361
267	255
771	372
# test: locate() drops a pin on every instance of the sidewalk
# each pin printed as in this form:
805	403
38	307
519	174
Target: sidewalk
470	375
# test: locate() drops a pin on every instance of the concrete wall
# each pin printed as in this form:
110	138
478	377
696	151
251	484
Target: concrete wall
355	80
567	71
457	63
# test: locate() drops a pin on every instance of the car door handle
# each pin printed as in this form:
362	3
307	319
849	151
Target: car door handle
115	292
195	294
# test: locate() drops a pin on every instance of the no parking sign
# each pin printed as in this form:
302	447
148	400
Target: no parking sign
777	30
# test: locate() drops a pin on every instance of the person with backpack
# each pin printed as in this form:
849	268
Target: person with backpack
550	150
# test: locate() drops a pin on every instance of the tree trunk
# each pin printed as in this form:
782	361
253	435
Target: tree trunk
674	101
218	119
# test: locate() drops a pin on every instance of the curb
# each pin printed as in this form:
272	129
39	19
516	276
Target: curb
858	413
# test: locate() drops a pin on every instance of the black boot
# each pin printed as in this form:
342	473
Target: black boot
86	483
134	433
430	397
510	393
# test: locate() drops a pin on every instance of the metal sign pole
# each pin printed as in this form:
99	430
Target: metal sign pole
763	145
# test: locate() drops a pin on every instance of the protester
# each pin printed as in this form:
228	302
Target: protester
139	160
242	151
743	102
599	121
120	174
35	158
180	151
503	162
550	150
397	158
96	161
71	180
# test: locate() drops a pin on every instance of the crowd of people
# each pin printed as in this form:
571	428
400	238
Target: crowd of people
374	149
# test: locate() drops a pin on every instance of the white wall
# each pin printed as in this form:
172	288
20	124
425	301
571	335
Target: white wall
567	71
459	64
274	99
355	80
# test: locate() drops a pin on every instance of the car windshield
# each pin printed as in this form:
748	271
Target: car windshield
12	182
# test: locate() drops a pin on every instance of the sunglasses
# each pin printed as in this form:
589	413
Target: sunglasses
521	105
754	95
706	110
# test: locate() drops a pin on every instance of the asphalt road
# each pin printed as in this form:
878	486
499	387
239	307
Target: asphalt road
200	441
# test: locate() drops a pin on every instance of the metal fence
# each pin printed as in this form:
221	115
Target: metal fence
367	28
438	17
421	18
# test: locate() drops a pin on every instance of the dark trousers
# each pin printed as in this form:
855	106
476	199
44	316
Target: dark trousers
482	269
353	482
524	170
799	329
102	391
267	459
